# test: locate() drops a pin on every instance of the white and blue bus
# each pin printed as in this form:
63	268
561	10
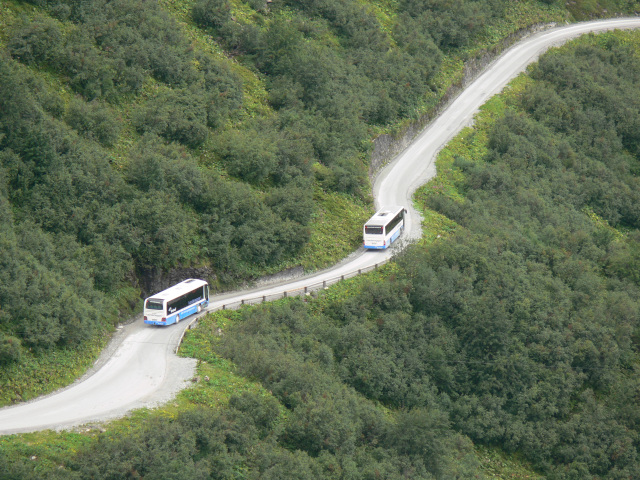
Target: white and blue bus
175	303
384	227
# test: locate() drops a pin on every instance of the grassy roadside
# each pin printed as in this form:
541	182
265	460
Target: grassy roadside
470	145
46	371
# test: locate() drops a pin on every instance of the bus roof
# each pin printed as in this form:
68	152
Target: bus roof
382	216
179	289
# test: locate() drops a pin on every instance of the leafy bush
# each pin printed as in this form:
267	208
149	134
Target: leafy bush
91	74
211	13
38	41
249	156
10	349
292	202
94	121
176	115
223	91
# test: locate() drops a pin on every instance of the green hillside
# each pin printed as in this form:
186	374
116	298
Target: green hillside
146	141
227	138
508	349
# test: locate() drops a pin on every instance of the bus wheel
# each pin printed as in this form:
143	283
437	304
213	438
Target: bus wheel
177	318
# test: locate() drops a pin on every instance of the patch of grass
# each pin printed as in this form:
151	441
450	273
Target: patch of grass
435	226
603	226
10	11
46	371
384	11
198	342
497	464
336	230
217	383
180	9
216	380
46	450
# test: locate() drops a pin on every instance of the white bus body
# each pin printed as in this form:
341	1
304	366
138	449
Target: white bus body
383	228
175	303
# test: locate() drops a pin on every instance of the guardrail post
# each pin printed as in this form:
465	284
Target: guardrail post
305	289
359	271
324	284
264	298
242	302
284	294
342	277
224	307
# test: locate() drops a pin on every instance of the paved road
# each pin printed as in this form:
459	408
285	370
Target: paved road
140	368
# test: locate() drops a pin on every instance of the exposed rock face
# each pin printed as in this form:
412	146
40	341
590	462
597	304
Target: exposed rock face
283	276
153	280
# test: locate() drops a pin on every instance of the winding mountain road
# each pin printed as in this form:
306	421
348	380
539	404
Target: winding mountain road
140	367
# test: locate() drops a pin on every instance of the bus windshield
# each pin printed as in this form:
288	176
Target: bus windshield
154	304
371	230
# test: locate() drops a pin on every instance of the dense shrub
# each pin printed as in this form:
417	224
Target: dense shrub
519	331
10	349
177	115
159	211
211	13
94	121
38	41
223	91
91	74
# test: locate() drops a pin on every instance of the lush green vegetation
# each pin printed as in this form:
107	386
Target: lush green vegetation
130	141
519	331
138	138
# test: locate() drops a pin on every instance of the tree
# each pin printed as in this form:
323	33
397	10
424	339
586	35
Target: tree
211	13
36	41
176	115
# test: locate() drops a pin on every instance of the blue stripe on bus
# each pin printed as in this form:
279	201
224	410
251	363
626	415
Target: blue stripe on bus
183	314
393	238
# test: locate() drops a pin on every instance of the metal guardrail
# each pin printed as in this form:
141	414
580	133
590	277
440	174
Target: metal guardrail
296	291
256	300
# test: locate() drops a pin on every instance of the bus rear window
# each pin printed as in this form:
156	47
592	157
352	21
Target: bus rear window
372	230
154	305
